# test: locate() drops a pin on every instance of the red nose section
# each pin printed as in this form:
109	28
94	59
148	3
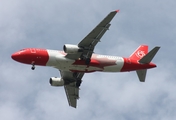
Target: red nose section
15	57
21	56
31	56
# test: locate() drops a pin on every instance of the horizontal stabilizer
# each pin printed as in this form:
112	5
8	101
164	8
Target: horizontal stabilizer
148	57
141	74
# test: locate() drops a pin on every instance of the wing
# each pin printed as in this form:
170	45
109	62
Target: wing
72	94
90	41
72	83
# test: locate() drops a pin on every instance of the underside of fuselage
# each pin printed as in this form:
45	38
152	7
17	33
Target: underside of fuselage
98	63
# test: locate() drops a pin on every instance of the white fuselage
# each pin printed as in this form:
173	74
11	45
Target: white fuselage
103	63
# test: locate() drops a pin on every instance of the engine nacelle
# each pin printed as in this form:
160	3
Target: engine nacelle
72	49
54	81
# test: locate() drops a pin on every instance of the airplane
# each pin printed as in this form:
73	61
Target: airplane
76	60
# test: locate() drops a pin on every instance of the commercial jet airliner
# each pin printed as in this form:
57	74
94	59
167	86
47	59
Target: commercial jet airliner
76	60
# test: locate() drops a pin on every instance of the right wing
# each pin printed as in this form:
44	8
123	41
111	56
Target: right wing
72	83
90	41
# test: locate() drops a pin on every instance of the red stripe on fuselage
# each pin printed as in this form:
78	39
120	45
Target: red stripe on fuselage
82	62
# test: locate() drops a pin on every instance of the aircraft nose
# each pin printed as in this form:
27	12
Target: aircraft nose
14	56
18	56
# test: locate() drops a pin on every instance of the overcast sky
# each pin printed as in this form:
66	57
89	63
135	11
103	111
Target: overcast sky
27	95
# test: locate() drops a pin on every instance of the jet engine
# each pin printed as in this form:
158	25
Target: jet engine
54	81
72	49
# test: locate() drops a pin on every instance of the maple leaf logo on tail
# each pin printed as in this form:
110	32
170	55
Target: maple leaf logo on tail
140	52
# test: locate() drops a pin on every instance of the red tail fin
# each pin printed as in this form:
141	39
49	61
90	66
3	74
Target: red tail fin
140	52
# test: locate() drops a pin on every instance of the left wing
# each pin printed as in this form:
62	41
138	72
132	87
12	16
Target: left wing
90	41
72	83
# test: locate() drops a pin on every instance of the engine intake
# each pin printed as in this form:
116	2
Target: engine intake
54	81
72	49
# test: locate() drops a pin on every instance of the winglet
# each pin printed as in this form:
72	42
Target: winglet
117	11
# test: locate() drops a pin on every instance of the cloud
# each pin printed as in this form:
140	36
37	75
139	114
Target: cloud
26	94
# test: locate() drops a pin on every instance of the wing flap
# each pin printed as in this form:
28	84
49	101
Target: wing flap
72	93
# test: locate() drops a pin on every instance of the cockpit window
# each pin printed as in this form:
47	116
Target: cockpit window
22	49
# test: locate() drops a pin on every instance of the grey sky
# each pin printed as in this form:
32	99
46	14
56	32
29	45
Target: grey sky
26	94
